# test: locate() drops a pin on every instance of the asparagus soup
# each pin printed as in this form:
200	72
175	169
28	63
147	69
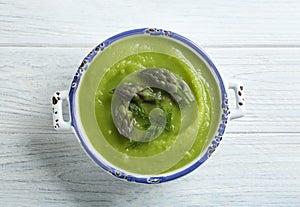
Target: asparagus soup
176	85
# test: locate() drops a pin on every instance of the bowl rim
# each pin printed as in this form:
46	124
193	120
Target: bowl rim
225	112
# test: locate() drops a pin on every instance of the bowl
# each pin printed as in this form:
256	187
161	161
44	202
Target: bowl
148	105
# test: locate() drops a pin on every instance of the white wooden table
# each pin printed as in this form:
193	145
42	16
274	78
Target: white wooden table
43	42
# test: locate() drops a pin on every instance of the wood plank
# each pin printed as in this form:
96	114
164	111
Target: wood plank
213	23
29	77
272	79
52	169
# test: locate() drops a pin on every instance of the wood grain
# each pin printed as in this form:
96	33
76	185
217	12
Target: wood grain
258	158
41	45
246	170
32	75
214	23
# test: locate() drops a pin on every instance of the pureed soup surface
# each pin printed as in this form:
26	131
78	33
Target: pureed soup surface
192	137
188	132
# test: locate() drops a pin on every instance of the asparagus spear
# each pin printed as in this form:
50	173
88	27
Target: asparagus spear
160	78
139	93
163	78
123	117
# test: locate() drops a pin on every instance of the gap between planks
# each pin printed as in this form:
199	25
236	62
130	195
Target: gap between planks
227	133
83	45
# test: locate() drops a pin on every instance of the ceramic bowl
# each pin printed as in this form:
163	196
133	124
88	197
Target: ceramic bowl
76	122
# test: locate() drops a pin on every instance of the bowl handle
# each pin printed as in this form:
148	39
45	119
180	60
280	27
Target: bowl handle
58	120
239	111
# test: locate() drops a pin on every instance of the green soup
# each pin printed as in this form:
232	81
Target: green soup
175	147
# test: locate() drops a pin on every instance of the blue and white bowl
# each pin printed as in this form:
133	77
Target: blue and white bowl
75	124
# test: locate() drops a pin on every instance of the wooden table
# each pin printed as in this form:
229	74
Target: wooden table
43	42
